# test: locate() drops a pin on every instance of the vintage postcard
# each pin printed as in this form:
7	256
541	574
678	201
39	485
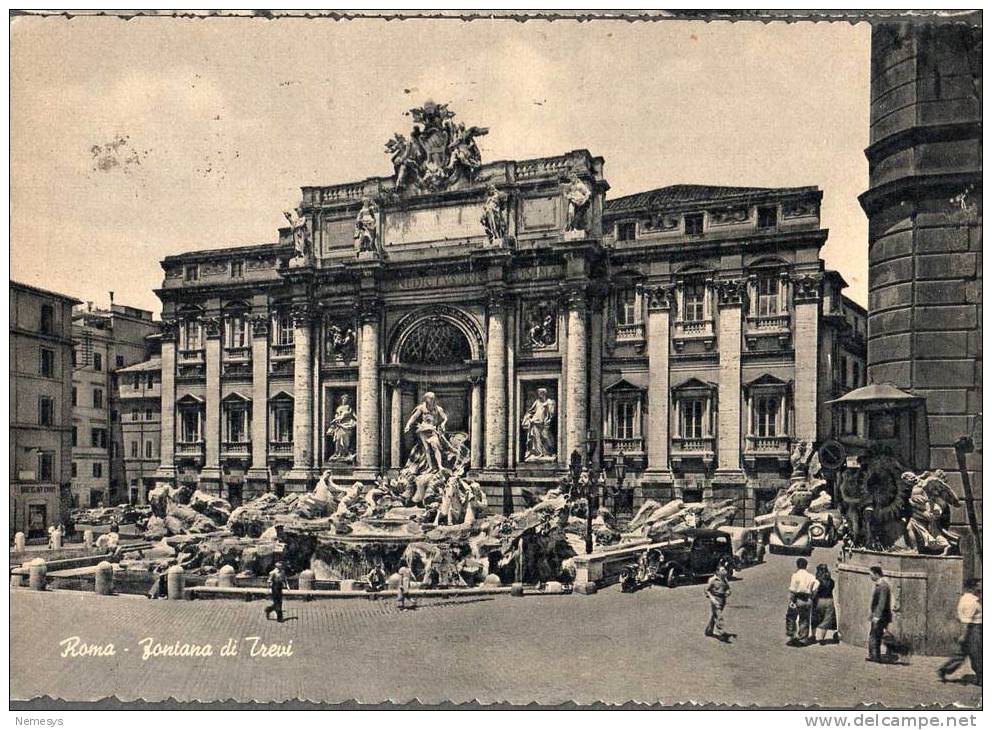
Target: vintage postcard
493	359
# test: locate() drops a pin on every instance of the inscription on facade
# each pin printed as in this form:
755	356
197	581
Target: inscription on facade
437	224
540	213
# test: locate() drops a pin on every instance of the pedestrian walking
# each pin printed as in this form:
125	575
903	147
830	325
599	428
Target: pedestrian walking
403	601
277	582
970	643
824	611
802	588
881	615
717	591
159	587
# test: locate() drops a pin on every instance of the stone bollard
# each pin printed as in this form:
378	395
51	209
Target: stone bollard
176	582
393	581
552	586
88	538
57	540
492	581
517	589
225	577
306	581
104	579
37	574
347	585
19	542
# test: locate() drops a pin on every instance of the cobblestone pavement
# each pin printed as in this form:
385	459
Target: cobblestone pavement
645	647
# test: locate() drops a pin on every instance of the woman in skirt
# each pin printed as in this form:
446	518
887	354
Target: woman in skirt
824	614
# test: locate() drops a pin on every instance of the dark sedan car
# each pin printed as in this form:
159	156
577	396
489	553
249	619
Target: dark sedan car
691	556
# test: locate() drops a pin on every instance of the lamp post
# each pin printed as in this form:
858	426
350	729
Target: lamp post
621	467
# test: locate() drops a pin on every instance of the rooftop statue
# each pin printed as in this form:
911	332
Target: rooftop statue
578	195
302	234
438	154
494	214
367	227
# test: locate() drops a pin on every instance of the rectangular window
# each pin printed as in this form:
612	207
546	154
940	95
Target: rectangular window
190	421
694	224
855	374
97	398
47	324
627	307
767	216
627	231
692	418
236	424
97	361
74	392
148	449
136	382
46	411
97	469
766	416
237	269
695	302
47	366
191	335
284	329
192	272
282	424
113	416
148	414
843	371
237	331
46	466
767	296
135	415
98	438
626	413
74	470
150	381
119	360
75	435
134	450
74	362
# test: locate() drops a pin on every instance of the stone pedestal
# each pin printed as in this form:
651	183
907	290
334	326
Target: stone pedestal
925	592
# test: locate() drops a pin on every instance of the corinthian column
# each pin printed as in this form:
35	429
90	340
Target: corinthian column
659	311
396	424
167	446
496	383
302	395
475	433
369	446
577	386
731	295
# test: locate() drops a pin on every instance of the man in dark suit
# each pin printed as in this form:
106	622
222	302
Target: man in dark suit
881	614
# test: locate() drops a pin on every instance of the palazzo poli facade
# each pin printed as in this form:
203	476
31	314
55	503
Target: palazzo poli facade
693	328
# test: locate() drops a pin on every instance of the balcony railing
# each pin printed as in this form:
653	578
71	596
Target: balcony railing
773	447
190	356
237	354
189	448
280	448
694	330
769	323
235	448
283	352
630	332
237	368
696	447
634	445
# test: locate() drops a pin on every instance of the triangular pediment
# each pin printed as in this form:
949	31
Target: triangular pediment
695	384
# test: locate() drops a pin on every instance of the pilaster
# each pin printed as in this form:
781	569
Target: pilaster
258	473
731	296
167	445
659	304
211	473
806	300
300	476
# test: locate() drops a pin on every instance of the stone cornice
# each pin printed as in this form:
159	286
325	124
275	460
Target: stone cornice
807	288
659	297
730	292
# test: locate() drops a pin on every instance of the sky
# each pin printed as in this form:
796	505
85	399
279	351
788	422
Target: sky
133	140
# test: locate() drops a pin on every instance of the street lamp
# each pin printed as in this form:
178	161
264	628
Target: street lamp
621	467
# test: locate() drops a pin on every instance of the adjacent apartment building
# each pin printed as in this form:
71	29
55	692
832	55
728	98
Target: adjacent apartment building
106	340
40	408
139	394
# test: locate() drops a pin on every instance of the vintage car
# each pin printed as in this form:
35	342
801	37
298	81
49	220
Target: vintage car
748	544
689	557
790	534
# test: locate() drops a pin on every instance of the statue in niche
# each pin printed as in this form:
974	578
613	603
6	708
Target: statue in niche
367	227
302	236
340	342
578	195
541	326
429	420
342	430
494	214
538	422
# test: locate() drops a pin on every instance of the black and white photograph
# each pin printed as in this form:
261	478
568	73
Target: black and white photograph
487	359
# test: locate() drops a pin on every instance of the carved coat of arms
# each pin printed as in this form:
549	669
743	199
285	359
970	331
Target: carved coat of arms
439	153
